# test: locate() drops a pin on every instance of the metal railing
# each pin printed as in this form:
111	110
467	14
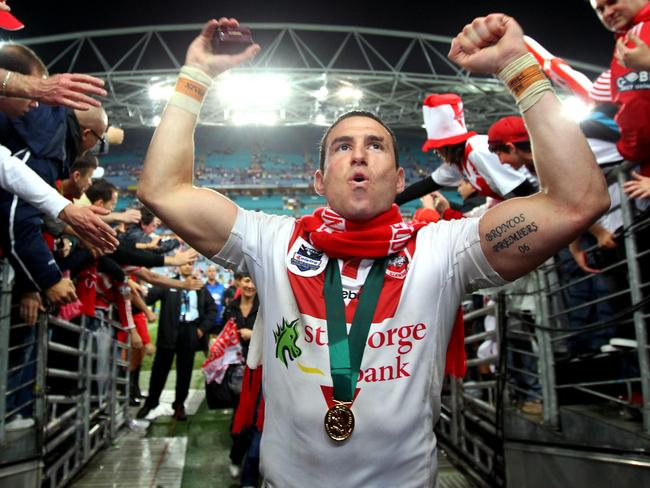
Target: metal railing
587	315
468	419
6	275
580	339
70	379
81	423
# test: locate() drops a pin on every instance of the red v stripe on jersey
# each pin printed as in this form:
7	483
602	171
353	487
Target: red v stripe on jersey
351	268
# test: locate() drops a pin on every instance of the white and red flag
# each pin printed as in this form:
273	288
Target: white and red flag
559	71
224	351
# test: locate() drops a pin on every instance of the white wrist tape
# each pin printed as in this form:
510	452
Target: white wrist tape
190	90
526	81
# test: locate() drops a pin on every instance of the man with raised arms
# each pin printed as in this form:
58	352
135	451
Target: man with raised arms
356	405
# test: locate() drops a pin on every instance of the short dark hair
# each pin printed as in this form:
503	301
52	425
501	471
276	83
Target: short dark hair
355	113
147	216
242	274
521	145
21	59
101	189
84	164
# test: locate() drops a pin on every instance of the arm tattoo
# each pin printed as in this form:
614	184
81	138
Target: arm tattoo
505	227
511	231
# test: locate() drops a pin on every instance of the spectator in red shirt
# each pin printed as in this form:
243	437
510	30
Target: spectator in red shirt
630	83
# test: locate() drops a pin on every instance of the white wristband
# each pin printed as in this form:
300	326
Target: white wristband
190	90
526	81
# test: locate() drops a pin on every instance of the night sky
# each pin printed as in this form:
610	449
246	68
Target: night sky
567	28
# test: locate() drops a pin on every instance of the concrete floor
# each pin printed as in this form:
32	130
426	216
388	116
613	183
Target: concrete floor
169	454
191	454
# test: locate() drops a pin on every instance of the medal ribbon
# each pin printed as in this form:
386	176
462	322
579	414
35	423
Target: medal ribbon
346	351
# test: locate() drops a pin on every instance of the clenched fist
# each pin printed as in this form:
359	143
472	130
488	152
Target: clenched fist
488	44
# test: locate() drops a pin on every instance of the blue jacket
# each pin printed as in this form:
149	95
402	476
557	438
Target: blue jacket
39	139
216	291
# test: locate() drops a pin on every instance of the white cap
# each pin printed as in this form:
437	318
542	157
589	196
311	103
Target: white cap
444	121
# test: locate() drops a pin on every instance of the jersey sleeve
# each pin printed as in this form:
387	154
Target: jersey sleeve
458	241
502	178
642	31
253	237
447	175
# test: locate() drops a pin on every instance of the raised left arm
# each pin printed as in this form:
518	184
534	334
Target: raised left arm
520	234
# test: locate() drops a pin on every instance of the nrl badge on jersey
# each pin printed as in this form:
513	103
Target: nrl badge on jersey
398	266
305	260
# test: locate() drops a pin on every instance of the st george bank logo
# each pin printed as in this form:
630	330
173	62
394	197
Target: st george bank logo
286	337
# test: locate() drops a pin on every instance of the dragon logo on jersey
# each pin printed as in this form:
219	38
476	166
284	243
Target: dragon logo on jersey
286	336
397	266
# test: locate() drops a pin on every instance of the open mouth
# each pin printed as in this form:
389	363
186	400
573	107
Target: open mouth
359	178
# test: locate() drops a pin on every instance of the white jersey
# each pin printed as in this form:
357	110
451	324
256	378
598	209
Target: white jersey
19	179
397	402
482	169
605	152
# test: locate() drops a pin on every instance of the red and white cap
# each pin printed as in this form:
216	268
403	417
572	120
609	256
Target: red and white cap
444	121
601	90
9	22
506	130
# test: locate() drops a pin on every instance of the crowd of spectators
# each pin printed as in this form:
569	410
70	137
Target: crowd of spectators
251	170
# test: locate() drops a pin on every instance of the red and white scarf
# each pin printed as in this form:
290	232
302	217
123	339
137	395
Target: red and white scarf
383	235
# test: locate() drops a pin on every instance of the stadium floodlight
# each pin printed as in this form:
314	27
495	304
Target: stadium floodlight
321	94
575	108
241	91
161	91
320	119
350	93
254	117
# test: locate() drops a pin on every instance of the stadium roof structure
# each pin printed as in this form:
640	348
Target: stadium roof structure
305	75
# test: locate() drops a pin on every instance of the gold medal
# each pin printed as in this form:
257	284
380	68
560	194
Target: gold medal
339	421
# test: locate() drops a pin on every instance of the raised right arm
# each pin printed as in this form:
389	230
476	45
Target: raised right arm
202	217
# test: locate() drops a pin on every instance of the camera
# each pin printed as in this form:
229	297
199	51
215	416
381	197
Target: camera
231	40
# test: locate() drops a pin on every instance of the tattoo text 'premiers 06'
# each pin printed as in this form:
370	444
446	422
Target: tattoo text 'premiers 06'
510	239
